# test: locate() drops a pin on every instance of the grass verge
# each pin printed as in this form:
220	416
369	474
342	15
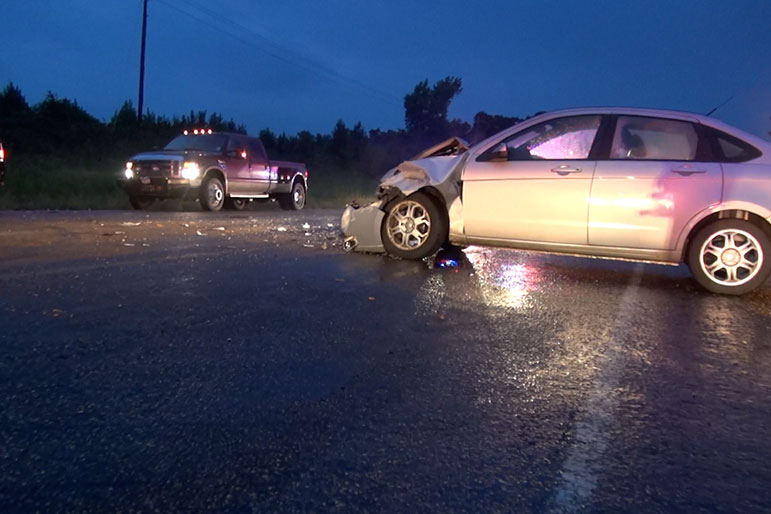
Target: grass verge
45	183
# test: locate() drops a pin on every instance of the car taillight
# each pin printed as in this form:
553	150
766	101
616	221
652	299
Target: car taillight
2	154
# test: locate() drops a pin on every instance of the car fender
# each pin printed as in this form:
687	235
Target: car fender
443	173
733	205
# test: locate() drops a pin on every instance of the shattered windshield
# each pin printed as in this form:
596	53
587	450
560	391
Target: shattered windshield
214	143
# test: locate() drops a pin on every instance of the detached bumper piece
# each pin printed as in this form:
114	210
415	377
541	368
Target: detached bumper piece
361	226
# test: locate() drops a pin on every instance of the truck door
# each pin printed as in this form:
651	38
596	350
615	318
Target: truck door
237	166
259	166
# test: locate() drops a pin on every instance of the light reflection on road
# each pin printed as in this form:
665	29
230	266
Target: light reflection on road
504	283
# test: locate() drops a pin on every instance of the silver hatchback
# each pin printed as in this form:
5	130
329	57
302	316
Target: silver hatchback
641	184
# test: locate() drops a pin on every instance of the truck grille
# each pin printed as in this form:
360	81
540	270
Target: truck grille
157	168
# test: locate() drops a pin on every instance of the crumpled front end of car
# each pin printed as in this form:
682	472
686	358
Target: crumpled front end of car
438	167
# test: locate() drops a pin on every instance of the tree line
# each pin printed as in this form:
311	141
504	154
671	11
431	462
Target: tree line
60	127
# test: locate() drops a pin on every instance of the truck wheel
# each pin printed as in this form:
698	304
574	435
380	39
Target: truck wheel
414	227
295	200
141	202
212	194
236	204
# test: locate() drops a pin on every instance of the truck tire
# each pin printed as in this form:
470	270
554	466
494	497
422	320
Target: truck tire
141	203
212	195
236	204
295	200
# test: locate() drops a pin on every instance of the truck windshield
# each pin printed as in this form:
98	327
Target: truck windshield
208	143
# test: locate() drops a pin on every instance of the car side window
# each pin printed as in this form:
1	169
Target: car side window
642	138
557	139
732	149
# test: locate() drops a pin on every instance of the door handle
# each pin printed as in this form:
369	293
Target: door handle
687	170
565	170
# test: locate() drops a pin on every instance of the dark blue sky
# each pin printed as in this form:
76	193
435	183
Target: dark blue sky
297	65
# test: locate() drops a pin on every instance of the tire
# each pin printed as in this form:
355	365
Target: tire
141	203
730	256
414	227
212	194
295	200
236	204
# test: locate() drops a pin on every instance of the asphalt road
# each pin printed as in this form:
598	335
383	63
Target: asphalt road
241	362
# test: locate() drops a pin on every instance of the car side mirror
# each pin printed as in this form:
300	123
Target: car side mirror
500	153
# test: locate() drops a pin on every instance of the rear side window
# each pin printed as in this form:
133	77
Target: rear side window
732	149
642	138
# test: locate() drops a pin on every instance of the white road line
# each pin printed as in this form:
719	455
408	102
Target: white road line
592	431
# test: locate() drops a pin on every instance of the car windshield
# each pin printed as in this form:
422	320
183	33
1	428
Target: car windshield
207	143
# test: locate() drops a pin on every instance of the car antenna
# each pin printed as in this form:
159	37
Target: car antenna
721	105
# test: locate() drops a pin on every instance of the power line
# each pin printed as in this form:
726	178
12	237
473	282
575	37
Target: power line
275	51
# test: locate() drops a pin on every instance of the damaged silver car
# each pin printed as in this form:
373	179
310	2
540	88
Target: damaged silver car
640	184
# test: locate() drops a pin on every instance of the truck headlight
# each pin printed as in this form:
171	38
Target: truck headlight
190	170
129	171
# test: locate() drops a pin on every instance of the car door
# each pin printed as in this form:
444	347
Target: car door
656	179
533	185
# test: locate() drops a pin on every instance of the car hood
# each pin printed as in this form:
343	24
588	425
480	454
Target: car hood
438	166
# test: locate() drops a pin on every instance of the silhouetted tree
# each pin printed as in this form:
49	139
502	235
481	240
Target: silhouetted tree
425	109
486	125
16	119
12	102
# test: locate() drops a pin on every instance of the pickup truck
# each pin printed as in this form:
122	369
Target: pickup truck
219	169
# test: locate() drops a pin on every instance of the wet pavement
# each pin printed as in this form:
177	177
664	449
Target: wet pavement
241	362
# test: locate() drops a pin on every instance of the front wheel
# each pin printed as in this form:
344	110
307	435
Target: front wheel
730	257
414	227
295	200
212	195
141	203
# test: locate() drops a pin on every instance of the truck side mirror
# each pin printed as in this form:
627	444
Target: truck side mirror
236	153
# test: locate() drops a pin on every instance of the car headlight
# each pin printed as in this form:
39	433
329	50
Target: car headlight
190	170
129	171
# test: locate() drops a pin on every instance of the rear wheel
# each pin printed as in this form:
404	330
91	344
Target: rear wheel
295	200
730	256
236	204
141	202
414	227
212	195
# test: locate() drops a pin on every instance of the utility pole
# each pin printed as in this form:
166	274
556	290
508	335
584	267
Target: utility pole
140	106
